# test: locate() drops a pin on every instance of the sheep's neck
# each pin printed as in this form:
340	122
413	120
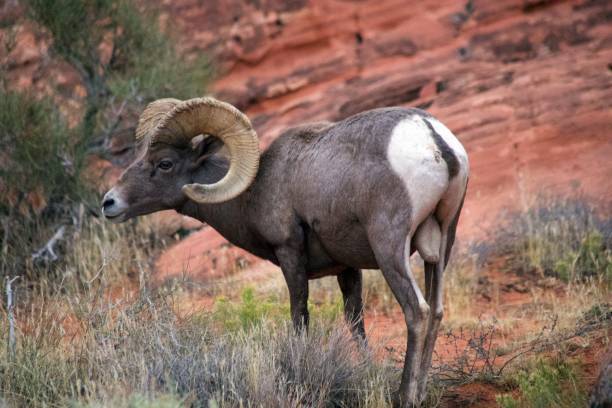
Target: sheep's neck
231	221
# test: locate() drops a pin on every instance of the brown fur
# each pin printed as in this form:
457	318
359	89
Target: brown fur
324	201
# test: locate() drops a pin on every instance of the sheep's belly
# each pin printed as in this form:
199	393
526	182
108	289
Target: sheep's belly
329	252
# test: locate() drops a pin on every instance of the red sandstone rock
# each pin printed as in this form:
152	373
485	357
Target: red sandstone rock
202	256
525	84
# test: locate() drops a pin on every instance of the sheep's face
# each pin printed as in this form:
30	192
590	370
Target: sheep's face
154	181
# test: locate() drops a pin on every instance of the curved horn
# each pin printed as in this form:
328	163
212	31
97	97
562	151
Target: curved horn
152	116
209	116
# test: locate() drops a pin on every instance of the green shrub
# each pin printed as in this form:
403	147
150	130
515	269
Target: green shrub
248	312
39	178
592	257
135	401
564	238
547	384
153	68
38	163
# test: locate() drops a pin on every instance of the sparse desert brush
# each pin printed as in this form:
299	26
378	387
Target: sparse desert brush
136	401
560	237
249	311
139	349
90	253
460	292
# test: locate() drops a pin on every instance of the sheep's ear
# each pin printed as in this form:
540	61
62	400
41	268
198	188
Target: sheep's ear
205	146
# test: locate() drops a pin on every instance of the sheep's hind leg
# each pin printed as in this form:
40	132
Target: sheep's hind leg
428	240
350	282
392	251
434	294
434	286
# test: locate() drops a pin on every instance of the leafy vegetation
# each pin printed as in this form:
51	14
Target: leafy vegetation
251	310
39	177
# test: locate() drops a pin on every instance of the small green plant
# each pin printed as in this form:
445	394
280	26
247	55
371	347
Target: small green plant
136	401
248	312
251	310
546	384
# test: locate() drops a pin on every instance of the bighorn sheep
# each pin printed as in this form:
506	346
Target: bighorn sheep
323	199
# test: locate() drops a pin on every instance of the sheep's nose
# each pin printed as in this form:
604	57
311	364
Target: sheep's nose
108	202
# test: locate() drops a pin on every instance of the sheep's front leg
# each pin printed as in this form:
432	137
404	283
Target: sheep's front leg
293	264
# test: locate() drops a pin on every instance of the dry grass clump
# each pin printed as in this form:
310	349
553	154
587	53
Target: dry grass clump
90	253
558	237
142	350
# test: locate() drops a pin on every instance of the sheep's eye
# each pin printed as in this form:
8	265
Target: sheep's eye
165	165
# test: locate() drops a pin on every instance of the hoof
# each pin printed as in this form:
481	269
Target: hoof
399	401
422	395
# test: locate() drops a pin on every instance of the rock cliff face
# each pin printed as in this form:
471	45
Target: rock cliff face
525	84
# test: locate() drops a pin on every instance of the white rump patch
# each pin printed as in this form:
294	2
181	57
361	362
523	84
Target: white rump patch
415	158
451	140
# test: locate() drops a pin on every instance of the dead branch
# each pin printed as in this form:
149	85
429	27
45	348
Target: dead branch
47	252
11	316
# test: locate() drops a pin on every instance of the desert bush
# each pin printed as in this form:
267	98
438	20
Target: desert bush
37	164
564	238
249	311
143	350
39	177
136	401
547	384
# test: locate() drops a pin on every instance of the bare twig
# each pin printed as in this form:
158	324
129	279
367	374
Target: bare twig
473	351
117	117
47	252
11	316
533	345
476	356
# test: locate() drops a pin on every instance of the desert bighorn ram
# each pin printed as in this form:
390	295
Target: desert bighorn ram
323	199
